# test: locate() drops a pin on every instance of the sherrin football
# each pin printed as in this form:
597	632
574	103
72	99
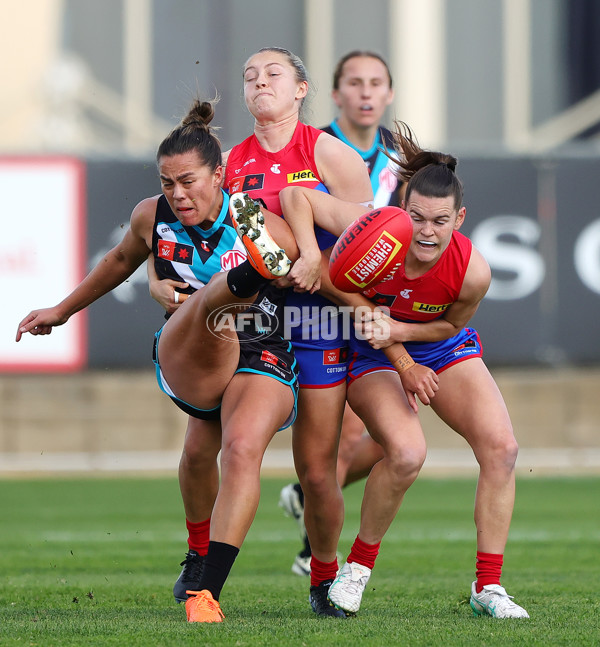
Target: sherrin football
370	250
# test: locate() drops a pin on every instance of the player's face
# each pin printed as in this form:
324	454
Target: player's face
434	220
271	90
192	190
364	91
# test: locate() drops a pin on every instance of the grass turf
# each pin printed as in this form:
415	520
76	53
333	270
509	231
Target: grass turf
92	562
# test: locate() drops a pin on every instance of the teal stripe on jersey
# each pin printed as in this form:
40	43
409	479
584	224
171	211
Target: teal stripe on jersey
219	239
364	154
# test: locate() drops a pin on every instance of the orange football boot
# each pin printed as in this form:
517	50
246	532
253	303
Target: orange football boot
202	607
265	255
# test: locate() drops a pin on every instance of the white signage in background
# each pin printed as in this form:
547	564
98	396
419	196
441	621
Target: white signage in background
508	244
42	258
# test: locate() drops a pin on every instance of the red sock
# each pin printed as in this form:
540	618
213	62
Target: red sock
198	535
488	569
363	553
322	571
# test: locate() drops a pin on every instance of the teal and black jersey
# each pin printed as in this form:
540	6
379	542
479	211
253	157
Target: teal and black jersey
193	254
386	186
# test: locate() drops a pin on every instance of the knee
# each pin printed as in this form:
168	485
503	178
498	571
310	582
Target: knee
406	462
316	468
240	455
508	451
316	481
501	453
195	456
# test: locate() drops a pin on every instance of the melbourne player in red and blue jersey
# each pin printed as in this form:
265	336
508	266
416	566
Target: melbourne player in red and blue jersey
418	300
262	174
431	299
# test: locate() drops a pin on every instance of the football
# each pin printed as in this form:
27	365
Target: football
370	250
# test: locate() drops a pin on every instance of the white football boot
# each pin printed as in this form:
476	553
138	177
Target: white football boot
348	587
493	600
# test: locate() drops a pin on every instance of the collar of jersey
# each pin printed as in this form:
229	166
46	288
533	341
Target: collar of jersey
207	233
364	154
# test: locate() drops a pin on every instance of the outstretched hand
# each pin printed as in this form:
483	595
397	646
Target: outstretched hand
40	322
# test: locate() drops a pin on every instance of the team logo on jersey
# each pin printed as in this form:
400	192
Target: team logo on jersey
176	252
206	246
387	180
247	183
232	258
379	299
335	356
301	176
250	161
429	307
275	169
267	306
270	358
405	294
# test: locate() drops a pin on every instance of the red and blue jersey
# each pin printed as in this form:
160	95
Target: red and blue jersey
426	297
419	300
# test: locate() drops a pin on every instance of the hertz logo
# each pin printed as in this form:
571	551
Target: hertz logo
301	176
427	307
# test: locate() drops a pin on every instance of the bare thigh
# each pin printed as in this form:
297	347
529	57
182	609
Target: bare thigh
469	401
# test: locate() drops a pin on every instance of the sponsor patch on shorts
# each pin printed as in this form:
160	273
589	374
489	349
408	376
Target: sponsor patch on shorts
335	356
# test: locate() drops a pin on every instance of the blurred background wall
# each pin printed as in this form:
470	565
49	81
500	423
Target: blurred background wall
511	87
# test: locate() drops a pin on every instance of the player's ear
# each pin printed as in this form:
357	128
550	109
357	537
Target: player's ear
218	176
335	95
460	218
302	90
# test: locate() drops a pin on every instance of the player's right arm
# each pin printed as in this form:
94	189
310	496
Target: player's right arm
113	269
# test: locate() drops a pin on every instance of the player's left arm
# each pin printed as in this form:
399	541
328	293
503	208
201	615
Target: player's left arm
457	316
302	208
343	171
345	175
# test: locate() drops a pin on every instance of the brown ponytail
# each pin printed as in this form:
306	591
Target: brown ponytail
194	134
429	173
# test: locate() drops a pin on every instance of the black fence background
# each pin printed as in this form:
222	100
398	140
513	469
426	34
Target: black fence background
537	220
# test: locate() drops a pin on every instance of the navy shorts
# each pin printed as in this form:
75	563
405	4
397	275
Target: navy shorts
269	355
437	355
321	368
320	339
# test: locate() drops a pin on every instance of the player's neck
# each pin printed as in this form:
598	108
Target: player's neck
360	136
275	135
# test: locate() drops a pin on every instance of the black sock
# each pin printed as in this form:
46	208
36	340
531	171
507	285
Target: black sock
217	564
306	551
244	280
298	489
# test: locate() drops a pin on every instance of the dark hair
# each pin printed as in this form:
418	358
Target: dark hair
339	68
429	173
194	134
297	64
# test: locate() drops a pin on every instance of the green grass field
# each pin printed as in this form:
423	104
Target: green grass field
92	562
